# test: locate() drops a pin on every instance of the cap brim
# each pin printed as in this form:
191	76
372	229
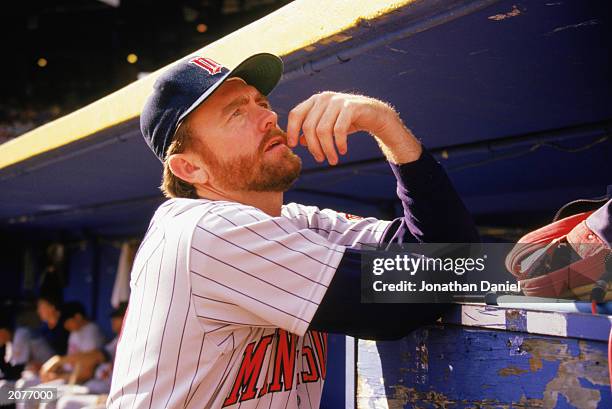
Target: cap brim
263	71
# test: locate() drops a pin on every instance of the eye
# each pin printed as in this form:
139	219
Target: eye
236	113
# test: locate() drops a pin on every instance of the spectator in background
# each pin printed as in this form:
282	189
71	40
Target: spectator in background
49	311
103	358
97	365
60	370
48	307
23	350
85	336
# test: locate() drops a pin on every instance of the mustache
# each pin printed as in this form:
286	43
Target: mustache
272	133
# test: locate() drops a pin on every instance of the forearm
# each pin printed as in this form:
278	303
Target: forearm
83	373
89	359
94	357
396	141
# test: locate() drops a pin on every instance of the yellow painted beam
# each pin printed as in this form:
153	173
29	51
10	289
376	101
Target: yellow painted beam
293	27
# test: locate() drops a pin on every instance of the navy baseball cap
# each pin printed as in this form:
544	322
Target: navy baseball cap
184	86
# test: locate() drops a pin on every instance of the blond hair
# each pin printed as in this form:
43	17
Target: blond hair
173	186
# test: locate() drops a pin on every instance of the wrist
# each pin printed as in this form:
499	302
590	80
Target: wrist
397	142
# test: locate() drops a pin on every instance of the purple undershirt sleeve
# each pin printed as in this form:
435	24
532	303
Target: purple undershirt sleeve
433	211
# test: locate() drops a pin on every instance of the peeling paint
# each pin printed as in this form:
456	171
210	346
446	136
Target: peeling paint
516	320
543	322
579	368
590	364
526	403
370	389
512	13
422	364
592	22
421	357
515	344
541	372
367	398
512	370
403	396
482	317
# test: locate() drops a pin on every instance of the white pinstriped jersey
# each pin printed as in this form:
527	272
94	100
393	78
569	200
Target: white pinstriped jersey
222	295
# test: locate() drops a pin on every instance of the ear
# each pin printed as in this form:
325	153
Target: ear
188	167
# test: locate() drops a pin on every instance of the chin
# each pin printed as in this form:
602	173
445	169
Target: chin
278	176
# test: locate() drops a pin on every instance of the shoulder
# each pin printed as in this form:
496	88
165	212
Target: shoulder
312	215
22	334
227	214
177	215
91	328
206	211
59	329
300	211
176	207
314	211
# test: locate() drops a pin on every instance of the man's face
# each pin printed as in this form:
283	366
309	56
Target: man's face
240	142
45	310
74	323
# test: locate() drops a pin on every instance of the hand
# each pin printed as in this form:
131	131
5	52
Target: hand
51	364
329	117
89	358
49	376
49	370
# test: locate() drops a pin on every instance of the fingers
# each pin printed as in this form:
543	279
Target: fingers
325	132
326	121
295	120
309	127
342	128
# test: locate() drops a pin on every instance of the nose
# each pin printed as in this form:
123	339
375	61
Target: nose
268	119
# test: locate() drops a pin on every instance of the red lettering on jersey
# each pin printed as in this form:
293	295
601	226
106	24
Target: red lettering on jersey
264	389
284	362
245	384
207	64
352	216
320	345
312	374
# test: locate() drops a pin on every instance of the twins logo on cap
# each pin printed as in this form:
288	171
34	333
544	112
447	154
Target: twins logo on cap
207	64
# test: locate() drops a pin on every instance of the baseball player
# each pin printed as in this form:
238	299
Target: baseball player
233	292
